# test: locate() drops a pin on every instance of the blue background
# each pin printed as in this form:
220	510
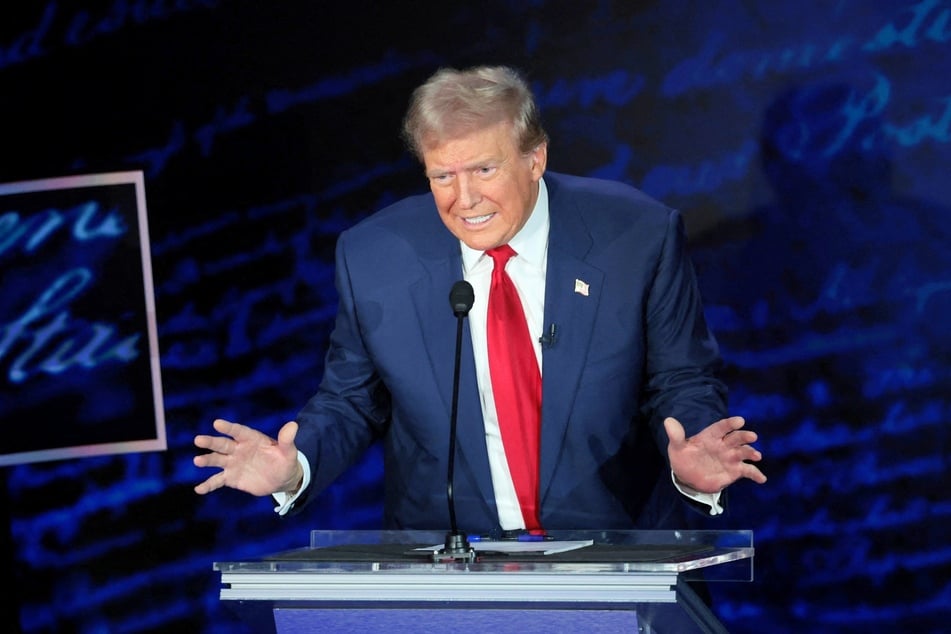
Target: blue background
806	143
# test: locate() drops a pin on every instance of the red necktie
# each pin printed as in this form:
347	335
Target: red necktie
516	384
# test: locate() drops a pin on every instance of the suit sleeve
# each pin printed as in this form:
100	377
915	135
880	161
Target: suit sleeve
351	408
682	353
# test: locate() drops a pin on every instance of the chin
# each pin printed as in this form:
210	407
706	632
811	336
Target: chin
480	244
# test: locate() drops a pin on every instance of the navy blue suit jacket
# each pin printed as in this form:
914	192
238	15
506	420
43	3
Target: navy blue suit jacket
630	352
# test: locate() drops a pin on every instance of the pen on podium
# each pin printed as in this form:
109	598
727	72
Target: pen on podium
511	537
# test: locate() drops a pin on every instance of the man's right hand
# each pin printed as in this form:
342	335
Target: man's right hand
249	460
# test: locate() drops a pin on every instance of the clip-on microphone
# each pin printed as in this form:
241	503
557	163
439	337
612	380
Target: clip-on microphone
457	547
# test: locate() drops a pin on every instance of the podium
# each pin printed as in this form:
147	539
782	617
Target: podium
396	581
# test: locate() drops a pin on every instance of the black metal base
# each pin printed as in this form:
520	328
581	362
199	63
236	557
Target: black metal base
457	548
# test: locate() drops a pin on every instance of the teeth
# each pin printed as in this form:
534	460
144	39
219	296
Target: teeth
478	220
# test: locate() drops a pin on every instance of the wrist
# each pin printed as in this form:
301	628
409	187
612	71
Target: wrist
297	479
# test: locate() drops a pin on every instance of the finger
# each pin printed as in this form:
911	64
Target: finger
740	438
213	483
753	473
209	460
732	458
287	434
675	431
724	427
217	444
751	453
225	427
732	424
202	441
213	443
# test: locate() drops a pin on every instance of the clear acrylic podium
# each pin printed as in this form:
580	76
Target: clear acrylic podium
394	581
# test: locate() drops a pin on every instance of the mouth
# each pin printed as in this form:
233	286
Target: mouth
475	221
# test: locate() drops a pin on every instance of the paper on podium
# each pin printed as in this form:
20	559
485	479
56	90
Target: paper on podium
513	546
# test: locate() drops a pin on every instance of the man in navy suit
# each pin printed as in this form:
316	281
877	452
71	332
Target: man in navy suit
634	426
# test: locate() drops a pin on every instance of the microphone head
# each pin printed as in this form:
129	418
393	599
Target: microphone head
461	298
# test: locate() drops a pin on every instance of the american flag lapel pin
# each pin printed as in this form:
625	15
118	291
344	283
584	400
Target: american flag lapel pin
581	287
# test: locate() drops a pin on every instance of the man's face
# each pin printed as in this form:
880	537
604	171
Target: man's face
485	189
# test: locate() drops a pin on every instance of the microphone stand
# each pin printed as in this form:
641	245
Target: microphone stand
457	545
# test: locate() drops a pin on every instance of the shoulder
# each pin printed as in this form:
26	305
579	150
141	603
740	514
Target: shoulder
583	189
410	221
394	217
396	245
606	207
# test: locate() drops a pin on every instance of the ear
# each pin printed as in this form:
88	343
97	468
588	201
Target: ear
539	158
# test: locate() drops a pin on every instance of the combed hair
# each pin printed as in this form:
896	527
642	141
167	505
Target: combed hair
455	102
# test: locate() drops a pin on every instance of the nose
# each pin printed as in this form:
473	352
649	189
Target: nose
469	195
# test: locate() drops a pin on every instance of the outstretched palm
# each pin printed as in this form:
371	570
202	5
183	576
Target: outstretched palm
716	457
249	460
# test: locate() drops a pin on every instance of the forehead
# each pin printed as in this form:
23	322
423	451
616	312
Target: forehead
492	142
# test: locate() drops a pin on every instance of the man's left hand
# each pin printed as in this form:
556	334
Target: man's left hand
716	457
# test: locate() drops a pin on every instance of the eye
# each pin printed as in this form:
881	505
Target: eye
486	170
441	179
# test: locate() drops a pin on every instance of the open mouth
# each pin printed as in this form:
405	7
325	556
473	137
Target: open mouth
478	220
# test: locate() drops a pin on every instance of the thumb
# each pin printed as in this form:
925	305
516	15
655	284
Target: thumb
675	431
287	434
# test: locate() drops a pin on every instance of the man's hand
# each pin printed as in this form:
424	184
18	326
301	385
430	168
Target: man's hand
249	460
716	457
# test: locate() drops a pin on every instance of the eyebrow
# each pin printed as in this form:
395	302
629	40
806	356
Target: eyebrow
468	167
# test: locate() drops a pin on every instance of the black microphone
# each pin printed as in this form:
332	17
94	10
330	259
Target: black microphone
548	340
461	298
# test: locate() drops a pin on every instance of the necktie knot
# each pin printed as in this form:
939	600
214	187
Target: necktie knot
501	255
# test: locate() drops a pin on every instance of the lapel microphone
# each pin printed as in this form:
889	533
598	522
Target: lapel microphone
461	298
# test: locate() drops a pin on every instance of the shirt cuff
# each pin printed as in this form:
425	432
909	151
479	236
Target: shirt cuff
710	499
285	501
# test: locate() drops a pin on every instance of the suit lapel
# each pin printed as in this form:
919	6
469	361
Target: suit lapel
442	261
572	292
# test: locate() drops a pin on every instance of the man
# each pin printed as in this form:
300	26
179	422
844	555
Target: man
614	319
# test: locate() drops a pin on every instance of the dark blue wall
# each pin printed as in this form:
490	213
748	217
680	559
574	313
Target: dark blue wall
807	144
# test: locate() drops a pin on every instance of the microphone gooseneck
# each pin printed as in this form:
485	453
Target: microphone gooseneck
461	298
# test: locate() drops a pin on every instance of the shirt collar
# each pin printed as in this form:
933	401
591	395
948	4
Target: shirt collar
531	242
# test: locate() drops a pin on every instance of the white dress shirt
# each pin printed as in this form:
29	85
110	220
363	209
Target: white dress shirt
527	271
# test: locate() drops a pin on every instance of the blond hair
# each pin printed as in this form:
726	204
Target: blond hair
454	102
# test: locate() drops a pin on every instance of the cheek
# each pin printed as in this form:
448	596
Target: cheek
508	202
444	207
444	200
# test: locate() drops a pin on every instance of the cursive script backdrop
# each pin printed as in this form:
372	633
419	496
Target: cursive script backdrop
78	303
807	144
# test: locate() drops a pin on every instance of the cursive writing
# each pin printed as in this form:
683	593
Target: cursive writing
31	232
47	339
